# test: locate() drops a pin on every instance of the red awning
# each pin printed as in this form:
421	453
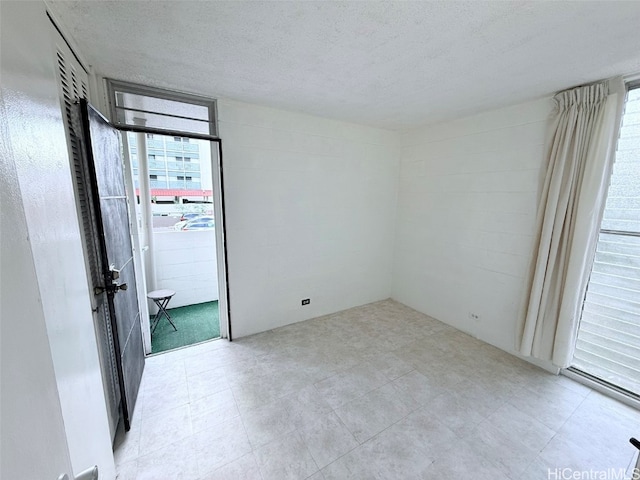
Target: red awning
174	192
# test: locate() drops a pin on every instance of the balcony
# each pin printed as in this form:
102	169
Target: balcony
157	164
186	263
191	148
183	166
179	166
155	143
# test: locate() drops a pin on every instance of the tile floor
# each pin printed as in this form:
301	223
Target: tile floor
375	392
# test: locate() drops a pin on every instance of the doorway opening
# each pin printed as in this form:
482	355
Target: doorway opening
183	229
608	343
173	160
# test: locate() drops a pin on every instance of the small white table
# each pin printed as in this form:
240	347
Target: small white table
161	298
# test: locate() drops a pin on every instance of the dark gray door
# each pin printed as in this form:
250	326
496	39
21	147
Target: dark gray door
101	149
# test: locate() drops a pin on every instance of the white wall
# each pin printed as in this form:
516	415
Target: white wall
466	215
186	263
33	443
61	296
310	206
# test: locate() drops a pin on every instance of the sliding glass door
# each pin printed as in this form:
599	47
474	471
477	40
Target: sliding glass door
608	344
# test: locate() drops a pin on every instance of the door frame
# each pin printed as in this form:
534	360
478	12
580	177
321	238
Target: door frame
593	381
219	211
111	87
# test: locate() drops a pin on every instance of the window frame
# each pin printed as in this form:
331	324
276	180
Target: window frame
119	86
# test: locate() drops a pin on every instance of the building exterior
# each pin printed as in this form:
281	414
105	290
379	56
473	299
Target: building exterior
179	171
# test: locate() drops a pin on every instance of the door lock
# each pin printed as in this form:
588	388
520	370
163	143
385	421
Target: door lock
114	287
115	274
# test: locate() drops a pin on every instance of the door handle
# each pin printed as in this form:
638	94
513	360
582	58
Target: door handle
114	287
115	275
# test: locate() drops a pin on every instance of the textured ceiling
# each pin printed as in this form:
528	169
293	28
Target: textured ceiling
388	64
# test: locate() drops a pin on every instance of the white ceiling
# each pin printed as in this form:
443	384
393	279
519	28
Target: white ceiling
389	64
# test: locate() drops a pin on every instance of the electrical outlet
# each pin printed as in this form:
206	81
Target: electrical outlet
474	316
306	301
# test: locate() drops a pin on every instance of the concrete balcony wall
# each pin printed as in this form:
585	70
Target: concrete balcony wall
186	263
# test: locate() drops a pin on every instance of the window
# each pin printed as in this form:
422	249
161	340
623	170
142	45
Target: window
174	159
162	109
608	344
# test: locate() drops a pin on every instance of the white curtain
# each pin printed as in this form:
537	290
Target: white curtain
569	214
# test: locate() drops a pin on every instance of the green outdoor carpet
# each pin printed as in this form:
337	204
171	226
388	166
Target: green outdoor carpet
195	323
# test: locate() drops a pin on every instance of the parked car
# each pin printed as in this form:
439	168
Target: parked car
199	223
189	216
178	226
186	217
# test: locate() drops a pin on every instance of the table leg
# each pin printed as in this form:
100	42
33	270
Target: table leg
162	310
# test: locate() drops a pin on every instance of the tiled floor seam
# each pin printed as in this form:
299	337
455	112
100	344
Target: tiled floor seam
379	433
573	412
